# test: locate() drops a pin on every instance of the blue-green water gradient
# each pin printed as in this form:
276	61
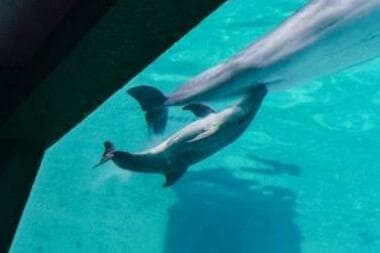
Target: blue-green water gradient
303	178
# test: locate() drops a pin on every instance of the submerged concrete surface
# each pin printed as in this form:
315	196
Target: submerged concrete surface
35	36
128	37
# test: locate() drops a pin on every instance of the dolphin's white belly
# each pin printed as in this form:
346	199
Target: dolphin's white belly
182	142
179	139
324	37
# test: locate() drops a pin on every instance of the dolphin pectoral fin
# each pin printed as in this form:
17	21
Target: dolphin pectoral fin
210	131
199	110
152	102
174	175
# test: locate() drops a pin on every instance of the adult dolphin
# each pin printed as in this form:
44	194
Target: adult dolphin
323	37
193	143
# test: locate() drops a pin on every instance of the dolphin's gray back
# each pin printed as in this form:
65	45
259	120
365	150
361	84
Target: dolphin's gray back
321	38
140	162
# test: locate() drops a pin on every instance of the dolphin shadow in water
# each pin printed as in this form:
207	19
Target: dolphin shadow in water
368	238
273	167
217	212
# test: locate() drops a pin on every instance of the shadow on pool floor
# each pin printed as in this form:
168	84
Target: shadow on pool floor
272	167
217	212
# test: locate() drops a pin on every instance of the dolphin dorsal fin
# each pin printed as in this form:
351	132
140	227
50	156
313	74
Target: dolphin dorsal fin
199	110
174	174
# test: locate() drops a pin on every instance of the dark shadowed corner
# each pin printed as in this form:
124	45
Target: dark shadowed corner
218	212
60	62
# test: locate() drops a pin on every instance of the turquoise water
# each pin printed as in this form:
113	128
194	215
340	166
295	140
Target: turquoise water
303	178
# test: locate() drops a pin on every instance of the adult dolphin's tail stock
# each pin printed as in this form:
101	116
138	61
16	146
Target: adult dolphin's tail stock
323	37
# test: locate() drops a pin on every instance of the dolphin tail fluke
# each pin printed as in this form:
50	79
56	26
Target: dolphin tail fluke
109	148
174	175
152	102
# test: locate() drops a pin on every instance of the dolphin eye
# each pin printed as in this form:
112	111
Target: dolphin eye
245	118
242	121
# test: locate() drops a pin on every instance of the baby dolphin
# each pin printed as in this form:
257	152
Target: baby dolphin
193	143
323	37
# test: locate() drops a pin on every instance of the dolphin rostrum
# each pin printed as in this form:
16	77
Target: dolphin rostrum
321	38
193	143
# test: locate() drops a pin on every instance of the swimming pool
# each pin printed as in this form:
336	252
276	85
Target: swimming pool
303	178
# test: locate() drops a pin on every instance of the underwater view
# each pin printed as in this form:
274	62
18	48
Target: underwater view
303	176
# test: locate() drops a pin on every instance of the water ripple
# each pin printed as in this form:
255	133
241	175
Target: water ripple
352	123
